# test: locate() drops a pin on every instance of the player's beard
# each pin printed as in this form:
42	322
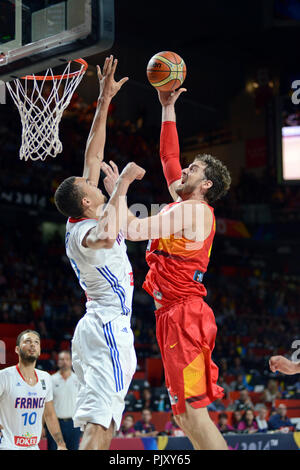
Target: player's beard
185	190
64	368
28	358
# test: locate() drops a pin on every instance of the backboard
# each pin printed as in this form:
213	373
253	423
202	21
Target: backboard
38	34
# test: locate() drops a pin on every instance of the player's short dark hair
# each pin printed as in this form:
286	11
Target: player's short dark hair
216	172
19	338
68	197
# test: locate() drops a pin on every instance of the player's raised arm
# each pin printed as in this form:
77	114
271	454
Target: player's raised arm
169	143
114	214
190	219
96	140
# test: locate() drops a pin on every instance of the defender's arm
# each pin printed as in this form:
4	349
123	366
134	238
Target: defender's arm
96	140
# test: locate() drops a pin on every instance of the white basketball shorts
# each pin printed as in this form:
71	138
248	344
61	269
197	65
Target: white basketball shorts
104	361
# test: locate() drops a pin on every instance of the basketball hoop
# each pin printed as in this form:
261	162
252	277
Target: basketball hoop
41	115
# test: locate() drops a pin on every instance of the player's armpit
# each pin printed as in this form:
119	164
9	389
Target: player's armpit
91	240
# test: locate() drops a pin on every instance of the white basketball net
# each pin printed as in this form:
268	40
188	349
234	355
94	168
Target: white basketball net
41	115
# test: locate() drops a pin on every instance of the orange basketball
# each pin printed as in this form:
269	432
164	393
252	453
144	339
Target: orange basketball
166	71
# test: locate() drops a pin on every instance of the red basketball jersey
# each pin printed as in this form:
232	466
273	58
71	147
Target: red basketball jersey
177	266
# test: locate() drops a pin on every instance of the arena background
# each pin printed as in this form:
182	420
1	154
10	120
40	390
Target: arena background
241	63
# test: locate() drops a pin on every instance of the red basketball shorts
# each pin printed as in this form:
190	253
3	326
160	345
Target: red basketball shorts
186	333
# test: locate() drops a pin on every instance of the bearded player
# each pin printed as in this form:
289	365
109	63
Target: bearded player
182	236
25	396
186	328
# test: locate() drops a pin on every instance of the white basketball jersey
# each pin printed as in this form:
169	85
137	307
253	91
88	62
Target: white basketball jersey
22	407
105	274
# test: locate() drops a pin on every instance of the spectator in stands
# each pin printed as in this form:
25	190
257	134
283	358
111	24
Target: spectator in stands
172	428
297	387
223	425
243	403
130	401
24	271
144	426
237	368
65	388
240	383
163	402
224	385
223	366
261	419
216	405
127	427
148	400
50	364
236	419
280	421
248	423
271	392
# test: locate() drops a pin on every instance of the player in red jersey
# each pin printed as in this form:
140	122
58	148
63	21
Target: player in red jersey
178	255
186	328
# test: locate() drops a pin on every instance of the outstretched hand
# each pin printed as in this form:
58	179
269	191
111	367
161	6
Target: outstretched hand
108	85
283	365
168	98
132	172
112	174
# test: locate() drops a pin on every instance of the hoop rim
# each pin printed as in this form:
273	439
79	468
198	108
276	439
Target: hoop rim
62	76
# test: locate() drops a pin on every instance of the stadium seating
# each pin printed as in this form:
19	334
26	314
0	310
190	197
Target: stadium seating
13	329
293	407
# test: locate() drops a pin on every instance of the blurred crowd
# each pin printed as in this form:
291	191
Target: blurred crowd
247	421
256	314
256	304
126	140
240	411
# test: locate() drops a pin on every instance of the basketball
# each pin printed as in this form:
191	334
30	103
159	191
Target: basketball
166	71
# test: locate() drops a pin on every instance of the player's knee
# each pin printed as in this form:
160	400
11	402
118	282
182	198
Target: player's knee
93	429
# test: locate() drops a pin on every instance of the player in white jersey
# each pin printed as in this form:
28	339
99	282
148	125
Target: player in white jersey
25	396
103	354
